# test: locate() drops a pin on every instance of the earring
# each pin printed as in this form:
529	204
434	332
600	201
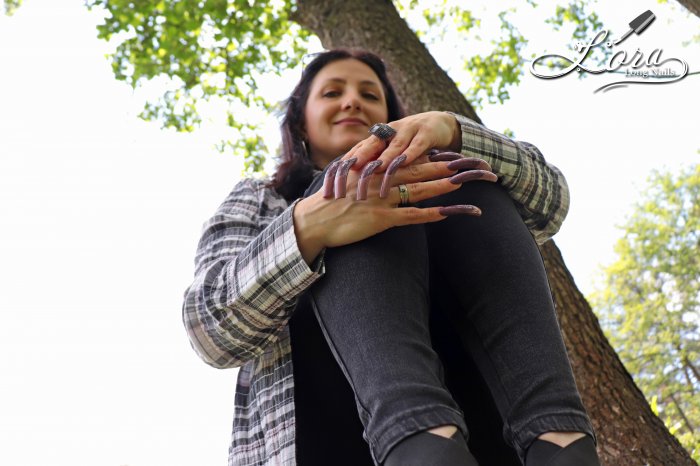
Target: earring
306	149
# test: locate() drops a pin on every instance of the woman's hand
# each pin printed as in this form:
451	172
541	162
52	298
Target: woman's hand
335	217
415	135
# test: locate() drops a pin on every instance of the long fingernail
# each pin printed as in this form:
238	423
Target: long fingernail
473	175
393	166
342	177
433	152
469	163
329	179
444	156
365	178
460	210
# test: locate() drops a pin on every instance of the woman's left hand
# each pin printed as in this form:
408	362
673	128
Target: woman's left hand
415	135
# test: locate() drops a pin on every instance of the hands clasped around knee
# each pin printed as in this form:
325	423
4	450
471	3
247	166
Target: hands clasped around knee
352	206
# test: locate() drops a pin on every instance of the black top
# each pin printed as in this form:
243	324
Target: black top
328	428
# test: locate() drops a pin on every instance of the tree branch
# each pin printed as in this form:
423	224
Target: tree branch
681	413
692	367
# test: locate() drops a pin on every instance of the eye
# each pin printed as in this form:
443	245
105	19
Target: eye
370	96
331	94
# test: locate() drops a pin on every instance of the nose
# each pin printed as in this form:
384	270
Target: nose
352	101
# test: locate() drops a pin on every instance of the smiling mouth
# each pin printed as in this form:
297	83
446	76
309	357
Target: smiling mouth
350	122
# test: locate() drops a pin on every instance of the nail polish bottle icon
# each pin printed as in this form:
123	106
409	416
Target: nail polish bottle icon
638	25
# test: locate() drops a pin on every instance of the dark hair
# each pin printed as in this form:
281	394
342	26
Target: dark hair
295	169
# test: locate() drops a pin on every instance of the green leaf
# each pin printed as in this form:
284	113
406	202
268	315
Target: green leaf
649	301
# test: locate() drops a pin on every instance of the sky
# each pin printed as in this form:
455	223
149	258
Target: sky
100	214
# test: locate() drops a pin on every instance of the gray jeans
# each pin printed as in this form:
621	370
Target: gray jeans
485	276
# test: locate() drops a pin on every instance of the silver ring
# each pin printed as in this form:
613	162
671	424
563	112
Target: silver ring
403	195
383	131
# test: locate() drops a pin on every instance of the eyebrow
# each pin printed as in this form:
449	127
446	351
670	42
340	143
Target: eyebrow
344	81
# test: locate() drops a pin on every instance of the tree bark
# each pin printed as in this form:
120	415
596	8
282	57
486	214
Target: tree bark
693	6
376	26
628	431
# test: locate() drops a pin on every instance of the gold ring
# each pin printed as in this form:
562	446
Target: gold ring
403	195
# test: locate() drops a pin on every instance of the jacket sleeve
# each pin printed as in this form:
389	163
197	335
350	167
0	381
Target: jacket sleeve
538	188
247	279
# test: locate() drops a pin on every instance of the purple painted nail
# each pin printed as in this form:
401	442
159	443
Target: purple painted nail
473	175
329	180
469	163
393	166
365	178
342	177
444	157
460	210
433	152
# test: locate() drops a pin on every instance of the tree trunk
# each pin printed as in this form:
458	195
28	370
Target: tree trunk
377	27
628	431
693	6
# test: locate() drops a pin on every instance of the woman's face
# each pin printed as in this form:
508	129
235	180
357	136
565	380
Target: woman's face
345	99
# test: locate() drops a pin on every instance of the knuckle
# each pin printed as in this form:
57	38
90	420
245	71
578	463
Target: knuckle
418	140
397	143
412	214
439	170
416	190
448	187
376	220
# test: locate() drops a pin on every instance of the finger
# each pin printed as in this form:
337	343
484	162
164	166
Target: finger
365	178
341	177
423	190
429	171
473	175
417	146
366	150
423	159
444	156
414	215
386	182
397	147
469	163
422	172
329	179
429	189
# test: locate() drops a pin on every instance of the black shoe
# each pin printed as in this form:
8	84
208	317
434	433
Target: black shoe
427	449
582	452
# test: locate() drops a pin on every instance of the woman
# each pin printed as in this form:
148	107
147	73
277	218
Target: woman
320	301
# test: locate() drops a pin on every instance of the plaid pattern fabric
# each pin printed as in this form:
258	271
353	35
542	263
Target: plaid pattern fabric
539	189
249	273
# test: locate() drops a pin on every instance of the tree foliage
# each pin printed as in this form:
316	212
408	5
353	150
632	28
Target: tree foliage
649	302
10	6
209	49
220	49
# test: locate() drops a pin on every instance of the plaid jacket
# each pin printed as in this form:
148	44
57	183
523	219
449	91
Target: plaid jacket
249	273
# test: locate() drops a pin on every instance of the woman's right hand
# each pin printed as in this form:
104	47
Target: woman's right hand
339	218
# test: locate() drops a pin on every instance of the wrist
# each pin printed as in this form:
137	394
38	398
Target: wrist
456	144
308	234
